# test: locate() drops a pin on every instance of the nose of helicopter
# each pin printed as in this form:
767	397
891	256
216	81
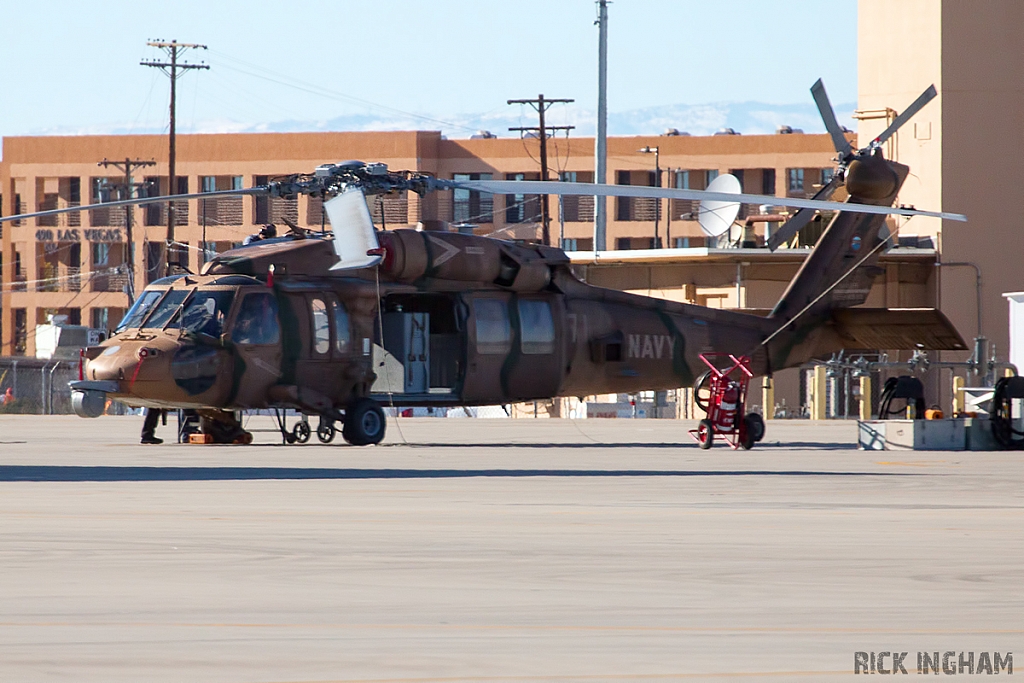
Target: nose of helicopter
131	365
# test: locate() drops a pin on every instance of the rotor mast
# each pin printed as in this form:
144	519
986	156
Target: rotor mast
171	68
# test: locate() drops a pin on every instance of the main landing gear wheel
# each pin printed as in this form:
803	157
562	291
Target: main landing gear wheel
301	432
364	423
705	434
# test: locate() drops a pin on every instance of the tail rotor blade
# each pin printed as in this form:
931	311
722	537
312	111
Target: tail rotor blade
801	217
828	115
924	98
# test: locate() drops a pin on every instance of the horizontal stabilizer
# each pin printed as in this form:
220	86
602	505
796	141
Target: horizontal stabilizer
896	328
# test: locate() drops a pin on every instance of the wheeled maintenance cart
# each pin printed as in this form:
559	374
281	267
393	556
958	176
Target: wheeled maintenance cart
721	392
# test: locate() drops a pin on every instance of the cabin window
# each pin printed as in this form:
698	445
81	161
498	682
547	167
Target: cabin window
538	327
321	327
493	331
257	320
342	328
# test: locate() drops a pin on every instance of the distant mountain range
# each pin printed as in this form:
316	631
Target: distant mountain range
749	118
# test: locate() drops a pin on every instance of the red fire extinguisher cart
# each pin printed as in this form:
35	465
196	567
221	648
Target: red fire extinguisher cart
726	398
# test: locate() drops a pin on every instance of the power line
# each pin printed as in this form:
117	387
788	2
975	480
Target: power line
173	49
541	105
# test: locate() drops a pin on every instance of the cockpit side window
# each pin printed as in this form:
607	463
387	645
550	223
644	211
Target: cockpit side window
205	312
256	322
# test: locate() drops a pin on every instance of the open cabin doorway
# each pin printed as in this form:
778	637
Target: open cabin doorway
419	349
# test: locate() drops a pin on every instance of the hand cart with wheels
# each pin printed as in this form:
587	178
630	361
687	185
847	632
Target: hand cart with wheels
724	403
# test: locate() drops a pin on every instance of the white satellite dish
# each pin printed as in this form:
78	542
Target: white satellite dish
717	216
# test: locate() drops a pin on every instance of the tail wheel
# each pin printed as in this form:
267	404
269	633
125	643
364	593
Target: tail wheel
301	432
326	431
705	434
702	391
364	423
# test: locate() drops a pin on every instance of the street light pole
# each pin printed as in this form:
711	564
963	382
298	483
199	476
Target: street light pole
656	151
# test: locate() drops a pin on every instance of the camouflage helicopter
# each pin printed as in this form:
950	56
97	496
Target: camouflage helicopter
335	324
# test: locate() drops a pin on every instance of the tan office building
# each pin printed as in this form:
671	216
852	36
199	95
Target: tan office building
75	264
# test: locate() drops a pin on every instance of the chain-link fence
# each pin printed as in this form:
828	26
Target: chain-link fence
30	385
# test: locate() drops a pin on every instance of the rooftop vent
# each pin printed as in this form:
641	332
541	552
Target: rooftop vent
482	135
673	132
787	130
726	131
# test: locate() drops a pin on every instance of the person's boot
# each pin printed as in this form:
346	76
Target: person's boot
150	439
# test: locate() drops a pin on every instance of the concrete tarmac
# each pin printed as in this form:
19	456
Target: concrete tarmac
497	550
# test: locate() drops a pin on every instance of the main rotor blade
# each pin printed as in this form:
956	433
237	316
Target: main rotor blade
828	115
923	99
801	217
592	190
137	202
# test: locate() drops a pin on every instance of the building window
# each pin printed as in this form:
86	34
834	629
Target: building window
570	244
827	175
682	243
470	206
261	203
100	318
100	255
681	180
796	180
768	181
538	327
522	208
20	331
154	214
208	183
709	176
623	243
577	208
493	331
623	205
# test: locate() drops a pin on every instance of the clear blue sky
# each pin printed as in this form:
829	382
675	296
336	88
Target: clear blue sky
69	66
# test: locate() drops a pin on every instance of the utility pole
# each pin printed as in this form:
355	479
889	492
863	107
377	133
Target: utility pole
541	105
173	49
601	140
127	167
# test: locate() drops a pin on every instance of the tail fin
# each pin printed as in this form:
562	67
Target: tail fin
842	267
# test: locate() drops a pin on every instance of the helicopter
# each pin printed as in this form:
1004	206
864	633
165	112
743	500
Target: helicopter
337	324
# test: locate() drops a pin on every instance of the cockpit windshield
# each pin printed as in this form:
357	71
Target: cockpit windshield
203	311
135	315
